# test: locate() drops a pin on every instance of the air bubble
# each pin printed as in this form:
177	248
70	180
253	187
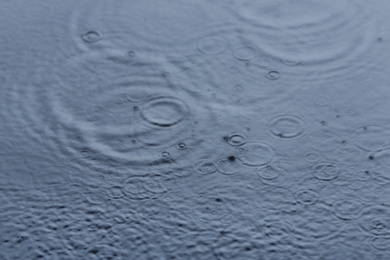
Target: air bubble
235	139
181	146
92	36
165	154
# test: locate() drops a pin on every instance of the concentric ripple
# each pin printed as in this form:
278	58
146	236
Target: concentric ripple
348	208
273	175
376	220
246	52
370	137
309	35
212	45
287	126
164	111
144	187
255	154
326	171
103	109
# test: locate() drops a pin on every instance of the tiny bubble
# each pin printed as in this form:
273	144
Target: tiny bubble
131	53
181	146
165	154
324	123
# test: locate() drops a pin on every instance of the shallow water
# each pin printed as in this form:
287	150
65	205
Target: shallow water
203	130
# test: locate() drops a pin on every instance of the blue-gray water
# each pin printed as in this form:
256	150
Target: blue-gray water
207	129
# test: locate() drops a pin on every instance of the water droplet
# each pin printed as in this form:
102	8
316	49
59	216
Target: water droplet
273	75
212	45
92	36
246	52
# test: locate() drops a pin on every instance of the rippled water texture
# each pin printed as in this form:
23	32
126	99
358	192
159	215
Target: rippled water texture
207	129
